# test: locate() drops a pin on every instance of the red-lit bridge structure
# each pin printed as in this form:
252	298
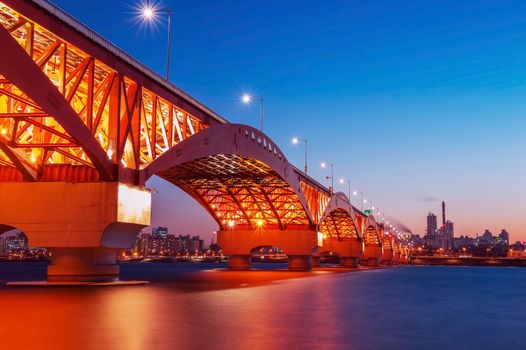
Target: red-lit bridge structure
83	126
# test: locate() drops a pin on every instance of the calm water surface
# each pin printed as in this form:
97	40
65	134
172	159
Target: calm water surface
419	307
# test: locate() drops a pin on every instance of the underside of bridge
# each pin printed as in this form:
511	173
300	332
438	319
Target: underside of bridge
372	246
341	236
240	193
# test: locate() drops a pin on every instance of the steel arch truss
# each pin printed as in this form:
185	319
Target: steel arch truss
371	236
239	176
66	115
339	225
388	242
240	193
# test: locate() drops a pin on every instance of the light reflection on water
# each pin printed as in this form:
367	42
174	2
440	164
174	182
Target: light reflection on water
399	308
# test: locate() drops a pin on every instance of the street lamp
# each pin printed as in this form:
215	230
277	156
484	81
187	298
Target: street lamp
348	187
324	165
149	13
372	206
247	99
361	198
295	141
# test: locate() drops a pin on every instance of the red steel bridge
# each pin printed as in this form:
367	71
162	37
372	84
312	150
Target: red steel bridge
83	126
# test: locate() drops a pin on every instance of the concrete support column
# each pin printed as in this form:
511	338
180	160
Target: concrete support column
316	261
239	262
300	262
370	261
349	261
83	265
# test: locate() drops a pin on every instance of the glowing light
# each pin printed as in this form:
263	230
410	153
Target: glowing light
260	223
365	200
342	181
4	131
295	140
320	239
148	12
231	223
133	205
323	165
355	193
33	158
246	98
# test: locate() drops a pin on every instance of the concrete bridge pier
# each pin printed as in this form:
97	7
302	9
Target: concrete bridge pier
371	256
387	256
297	244
396	258
350	261
240	262
83	265
300	262
82	224
349	250
315	261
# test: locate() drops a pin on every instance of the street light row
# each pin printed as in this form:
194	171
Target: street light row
150	14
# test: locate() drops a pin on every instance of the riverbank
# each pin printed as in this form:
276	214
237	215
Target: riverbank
471	261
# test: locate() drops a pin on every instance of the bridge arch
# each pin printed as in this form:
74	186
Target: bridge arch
239	176
339	219
372	243
341	231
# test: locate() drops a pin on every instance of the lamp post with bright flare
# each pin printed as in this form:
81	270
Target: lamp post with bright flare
348	187
295	141
361	198
324	165
150	14
247	99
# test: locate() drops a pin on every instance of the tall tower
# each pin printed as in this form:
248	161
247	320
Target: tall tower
444	233
431	224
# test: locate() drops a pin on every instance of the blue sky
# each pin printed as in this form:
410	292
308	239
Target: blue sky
415	101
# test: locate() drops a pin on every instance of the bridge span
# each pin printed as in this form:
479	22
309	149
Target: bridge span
83	126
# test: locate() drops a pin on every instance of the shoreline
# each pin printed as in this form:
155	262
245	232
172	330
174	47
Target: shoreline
471	261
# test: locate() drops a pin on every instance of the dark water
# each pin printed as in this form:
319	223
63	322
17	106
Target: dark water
419	307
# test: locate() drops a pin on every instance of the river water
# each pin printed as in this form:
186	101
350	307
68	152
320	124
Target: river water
414	307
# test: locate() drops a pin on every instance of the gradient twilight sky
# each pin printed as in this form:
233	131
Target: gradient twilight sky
415	101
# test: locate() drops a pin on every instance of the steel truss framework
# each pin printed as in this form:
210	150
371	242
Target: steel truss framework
240	193
85	120
340	226
371	236
75	108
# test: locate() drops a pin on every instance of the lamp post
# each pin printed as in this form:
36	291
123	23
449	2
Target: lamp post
295	141
247	99
150	14
324	165
361	198
348	187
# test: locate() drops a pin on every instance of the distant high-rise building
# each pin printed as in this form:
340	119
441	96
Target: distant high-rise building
431	224
504	236
487	236
450	232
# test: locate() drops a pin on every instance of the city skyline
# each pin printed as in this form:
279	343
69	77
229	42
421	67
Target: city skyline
428	119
